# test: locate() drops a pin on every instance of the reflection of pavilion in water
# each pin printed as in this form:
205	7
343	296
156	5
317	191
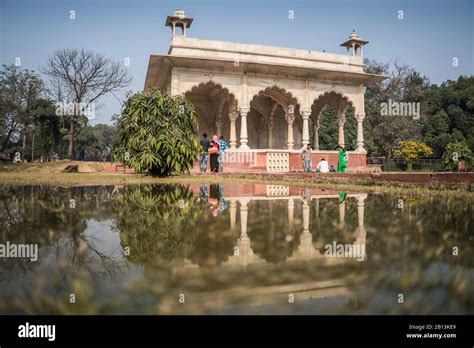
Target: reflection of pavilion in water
239	199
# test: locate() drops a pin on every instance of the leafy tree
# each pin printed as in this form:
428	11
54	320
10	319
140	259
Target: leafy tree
46	131
156	134
450	114
437	134
457	151
92	140
383	133
411	150
20	91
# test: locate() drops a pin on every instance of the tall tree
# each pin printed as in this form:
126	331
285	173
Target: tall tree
384	133
82	76
20	91
450	114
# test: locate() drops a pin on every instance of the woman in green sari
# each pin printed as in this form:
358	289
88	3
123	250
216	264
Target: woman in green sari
341	159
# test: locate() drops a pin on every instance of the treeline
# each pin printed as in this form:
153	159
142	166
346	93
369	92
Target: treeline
446	113
30	122
47	121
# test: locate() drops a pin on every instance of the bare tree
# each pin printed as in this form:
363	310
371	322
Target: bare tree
82	76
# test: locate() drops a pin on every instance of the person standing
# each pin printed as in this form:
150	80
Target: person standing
306	157
203	158
214	153
222	147
341	159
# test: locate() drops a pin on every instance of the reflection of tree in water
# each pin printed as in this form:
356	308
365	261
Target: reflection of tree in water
410	251
272	236
157	222
55	219
43	215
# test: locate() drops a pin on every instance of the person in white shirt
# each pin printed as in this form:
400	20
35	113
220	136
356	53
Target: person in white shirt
323	166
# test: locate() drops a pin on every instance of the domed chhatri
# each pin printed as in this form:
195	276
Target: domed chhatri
355	43
178	20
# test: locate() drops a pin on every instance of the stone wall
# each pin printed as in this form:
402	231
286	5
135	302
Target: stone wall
256	161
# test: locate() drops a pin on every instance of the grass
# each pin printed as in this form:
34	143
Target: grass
52	174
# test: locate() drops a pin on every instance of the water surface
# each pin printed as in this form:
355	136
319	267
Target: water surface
234	249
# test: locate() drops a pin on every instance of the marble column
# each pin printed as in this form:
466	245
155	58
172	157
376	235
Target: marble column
219	126
360	133
306	239
243	128
244	241
306	209
360	209
340	122
270	125
233	213
291	210
290	118
305	136
233	134
316	135
342	213
243	218
360	233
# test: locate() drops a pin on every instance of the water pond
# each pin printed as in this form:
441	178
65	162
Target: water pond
232	249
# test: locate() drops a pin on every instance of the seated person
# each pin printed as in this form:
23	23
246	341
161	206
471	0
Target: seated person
332	169
323	166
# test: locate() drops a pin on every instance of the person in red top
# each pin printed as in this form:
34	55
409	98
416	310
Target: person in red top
214	153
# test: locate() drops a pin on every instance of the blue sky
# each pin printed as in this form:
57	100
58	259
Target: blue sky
430	34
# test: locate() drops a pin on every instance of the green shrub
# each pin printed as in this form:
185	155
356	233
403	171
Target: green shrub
457	151
156	134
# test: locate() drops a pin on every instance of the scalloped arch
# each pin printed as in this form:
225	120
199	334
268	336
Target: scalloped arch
209	83
279	95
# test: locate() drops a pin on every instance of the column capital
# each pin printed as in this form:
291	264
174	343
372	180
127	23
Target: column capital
360	149
360	117
233	115
340	121
290	118
244	202
360	199
306	113
244	109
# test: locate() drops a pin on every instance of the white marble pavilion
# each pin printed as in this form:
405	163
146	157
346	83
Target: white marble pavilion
264	99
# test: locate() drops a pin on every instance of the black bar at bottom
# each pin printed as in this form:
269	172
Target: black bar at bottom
289	330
